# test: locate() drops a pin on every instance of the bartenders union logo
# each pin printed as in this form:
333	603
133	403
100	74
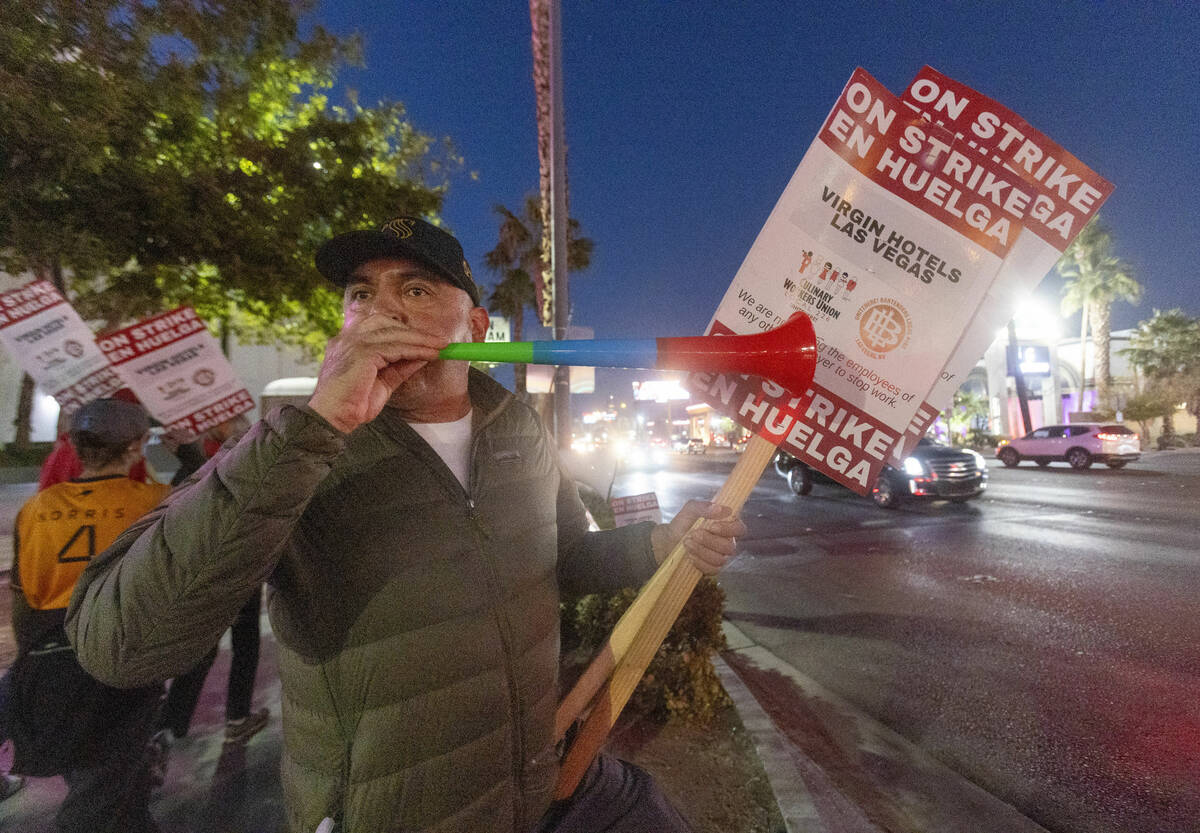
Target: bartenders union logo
883	326
204	377
73	348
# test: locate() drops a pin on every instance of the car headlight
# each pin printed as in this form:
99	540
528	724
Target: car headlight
913	466
978	458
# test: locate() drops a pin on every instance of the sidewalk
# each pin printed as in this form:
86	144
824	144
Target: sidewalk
12	498
209	789
832	770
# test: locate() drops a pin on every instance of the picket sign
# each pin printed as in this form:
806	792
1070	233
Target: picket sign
170	361
865	149
888	259
1066	195
633	509
609	681
50	342
176	368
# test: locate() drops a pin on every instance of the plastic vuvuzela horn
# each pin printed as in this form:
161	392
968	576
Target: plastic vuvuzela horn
786	355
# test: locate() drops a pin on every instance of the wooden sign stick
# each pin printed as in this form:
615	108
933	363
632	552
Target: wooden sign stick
614	674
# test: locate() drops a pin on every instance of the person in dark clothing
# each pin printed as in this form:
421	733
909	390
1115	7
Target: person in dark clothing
63	721
184	693
240	723
62	463
415	528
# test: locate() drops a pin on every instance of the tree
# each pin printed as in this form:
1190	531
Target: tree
1166	349
517	257
54	125
968	410
1147	406
185	151
65	70
1096	278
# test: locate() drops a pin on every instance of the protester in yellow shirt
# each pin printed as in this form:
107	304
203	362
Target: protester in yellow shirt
63	721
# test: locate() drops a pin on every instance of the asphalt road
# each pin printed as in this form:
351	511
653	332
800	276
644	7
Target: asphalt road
1042	640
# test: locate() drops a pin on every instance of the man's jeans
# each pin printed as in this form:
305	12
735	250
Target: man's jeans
614	797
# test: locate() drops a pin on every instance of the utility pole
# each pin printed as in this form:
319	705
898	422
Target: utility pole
1014	360
558	226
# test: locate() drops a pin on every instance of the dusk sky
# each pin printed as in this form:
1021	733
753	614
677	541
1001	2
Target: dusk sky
685	120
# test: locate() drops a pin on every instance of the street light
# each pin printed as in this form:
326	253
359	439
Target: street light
1035	320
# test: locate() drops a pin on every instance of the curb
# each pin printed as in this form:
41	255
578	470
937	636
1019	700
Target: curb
775	753
835	769
13	475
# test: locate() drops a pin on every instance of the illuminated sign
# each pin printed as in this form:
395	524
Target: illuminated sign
659	390
498	329
592	417
539	378
1035	360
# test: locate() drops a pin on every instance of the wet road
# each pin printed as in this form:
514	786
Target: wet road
1043	641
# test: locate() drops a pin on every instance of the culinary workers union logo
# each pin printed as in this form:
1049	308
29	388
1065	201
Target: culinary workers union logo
883	325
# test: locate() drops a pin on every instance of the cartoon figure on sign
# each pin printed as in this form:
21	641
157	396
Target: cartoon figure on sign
850	284
173	388
804	261
51	358
825	270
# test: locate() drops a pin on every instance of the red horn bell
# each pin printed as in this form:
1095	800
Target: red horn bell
786	355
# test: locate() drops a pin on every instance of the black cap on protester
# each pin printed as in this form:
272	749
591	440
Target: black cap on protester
409	237
111	421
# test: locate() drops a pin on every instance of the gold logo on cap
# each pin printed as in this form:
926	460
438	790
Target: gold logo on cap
467	269
402	227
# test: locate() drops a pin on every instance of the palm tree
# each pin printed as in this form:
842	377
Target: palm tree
517	257
1166	349
968	410
1096	278
539	19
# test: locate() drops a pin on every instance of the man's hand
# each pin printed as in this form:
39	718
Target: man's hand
709	547
364	364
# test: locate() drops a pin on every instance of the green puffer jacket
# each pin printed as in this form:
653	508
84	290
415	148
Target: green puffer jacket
417	622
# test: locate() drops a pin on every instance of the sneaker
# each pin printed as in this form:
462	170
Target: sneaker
10	785
158	752
241	730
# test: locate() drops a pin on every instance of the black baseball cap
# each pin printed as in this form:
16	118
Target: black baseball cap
409	237
111	421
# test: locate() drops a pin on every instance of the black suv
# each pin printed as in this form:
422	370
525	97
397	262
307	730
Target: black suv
933	471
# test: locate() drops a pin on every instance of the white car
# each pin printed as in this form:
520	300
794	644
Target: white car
1080	444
